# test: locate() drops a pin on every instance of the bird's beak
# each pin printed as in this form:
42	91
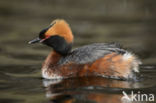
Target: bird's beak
36	40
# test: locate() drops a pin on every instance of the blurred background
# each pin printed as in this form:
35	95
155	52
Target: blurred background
132	23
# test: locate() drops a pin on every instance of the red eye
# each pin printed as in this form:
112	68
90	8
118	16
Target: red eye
44	38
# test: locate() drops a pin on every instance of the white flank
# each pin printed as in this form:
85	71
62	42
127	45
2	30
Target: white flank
46	75
134	61
127	56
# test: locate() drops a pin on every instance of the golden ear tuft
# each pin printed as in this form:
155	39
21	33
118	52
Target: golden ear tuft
60	27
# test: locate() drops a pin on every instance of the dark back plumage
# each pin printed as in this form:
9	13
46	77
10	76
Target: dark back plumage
90	53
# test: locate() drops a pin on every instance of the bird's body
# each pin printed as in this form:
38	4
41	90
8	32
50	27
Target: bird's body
98	59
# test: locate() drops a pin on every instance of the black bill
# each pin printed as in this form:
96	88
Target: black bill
36	40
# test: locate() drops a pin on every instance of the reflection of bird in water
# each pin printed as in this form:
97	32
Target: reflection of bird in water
86	89
98	59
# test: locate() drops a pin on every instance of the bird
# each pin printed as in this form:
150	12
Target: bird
107	60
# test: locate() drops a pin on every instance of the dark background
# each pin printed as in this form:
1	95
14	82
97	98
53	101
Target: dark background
132	23
129	22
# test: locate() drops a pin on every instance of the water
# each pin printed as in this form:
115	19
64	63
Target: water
129	22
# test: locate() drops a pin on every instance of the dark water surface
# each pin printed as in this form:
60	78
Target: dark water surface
129	22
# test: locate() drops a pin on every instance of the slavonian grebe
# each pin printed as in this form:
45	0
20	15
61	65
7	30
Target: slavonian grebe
98	59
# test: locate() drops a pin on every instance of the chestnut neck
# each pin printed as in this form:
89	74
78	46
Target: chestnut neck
52	59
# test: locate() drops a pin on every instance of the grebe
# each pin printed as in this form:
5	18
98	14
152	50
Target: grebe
98	59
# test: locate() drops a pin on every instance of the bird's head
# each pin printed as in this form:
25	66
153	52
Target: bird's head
58	36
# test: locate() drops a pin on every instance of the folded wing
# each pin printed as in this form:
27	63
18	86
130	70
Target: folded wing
92	52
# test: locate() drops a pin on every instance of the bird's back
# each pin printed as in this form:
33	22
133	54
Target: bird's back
92	52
